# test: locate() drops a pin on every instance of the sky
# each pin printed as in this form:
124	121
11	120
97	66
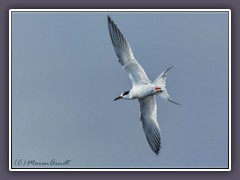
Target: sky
65	76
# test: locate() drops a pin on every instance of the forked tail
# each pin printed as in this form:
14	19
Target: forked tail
160	81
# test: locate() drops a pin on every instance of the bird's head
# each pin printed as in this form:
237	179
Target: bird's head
124	95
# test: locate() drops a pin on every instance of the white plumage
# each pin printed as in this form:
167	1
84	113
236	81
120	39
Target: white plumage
143	89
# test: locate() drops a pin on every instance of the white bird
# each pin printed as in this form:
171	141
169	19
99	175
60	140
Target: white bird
142	88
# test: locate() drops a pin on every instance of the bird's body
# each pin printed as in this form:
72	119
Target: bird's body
143	89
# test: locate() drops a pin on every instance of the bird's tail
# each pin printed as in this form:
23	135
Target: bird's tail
160	81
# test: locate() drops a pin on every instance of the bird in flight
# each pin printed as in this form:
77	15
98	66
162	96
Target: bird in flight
142	88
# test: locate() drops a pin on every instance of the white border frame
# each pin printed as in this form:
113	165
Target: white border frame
117	10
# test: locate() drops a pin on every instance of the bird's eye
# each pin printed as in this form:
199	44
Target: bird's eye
125	93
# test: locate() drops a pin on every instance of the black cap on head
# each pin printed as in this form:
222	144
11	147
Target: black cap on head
125	93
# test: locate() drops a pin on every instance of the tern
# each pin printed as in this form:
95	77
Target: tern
142	88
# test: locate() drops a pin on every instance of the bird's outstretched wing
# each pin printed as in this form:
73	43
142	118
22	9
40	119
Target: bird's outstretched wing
148	117
125	56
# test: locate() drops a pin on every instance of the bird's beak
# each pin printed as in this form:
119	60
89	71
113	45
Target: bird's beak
119	97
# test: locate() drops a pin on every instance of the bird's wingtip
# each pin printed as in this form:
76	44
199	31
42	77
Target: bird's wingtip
171	67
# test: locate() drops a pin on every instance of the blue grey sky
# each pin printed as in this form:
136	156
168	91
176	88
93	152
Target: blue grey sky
65	76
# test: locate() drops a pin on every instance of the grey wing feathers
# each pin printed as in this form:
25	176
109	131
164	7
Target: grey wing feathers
148	117
120	44
125	56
